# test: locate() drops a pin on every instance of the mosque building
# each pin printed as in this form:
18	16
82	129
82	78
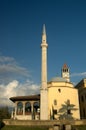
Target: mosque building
81	86
58	98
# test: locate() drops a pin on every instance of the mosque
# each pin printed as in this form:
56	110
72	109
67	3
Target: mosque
58	98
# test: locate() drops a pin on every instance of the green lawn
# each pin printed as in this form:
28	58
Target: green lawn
81	127
22	128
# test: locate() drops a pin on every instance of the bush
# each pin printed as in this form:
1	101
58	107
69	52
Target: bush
1	124
4	113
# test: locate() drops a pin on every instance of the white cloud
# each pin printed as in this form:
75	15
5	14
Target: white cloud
6	91
10	70
9	87
15	88
78	74
13	68
4	59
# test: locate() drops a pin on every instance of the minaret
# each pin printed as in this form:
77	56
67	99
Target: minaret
65	72
44	91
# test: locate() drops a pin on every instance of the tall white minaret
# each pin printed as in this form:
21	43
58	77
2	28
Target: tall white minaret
44	90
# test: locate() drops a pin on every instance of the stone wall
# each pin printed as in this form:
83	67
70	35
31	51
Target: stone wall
43	123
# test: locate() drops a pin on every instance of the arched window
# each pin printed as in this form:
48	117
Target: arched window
27	107
19	108
84	114
55	102
82	98
36	106
68	107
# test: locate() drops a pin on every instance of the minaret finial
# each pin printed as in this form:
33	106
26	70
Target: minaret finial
44	37
44	30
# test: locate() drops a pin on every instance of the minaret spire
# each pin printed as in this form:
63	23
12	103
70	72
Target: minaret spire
44	39
44	29
43	91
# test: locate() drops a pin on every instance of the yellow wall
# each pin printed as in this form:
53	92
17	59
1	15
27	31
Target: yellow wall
81	86
62	91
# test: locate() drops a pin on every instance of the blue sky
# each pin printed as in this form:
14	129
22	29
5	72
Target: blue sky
21	23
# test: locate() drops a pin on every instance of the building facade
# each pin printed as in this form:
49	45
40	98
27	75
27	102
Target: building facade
26	107
61	92
81	86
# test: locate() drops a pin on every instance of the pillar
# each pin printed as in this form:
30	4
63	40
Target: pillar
15	110
32	110
23	108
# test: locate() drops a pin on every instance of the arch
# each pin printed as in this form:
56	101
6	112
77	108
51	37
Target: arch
19	108
36	106
27	108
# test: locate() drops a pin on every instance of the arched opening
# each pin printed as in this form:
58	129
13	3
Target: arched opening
36	111
36	107
27	108
19	108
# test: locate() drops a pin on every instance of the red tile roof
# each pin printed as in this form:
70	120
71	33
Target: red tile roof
65	66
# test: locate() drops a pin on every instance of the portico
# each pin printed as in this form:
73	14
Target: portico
26	107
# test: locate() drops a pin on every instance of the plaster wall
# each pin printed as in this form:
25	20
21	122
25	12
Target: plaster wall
23	117
61	93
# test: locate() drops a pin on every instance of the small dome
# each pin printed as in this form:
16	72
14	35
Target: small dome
58	79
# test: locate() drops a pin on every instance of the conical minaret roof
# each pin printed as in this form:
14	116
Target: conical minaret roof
65	66
44	30
44	37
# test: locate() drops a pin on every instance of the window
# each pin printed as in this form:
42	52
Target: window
68	102
36	106
55	102
82	98
85	96
68	111
68	107
59	90
19	108
54	111
27	107
84	113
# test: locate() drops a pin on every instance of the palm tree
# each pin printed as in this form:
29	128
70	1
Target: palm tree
65	112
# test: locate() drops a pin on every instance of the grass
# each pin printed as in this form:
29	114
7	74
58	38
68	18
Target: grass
83	127
22	128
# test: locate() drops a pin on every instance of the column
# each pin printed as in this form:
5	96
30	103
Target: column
23	108
32	110
15	110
